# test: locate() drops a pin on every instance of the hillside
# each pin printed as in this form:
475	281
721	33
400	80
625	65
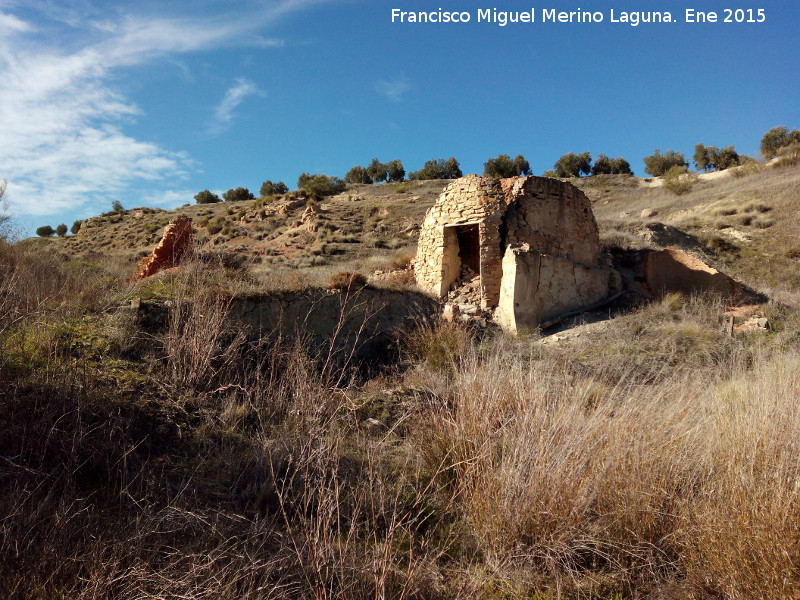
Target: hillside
240	427
745	221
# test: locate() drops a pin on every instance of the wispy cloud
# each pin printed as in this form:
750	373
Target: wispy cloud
63	122
394	89
223	113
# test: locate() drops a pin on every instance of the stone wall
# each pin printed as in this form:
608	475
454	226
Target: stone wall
468	200
538	287
553	217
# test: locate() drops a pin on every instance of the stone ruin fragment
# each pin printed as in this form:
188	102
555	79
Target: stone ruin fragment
175	245
526	248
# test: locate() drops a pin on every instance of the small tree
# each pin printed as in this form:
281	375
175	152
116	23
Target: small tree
605	165
678	180
61	230
321	185
269	188
572	165
777	138
357	174
395	170
702	157
377	171
45	231
237	195
76	227
657	164
206	197
452	170
116	206
502	166
726	158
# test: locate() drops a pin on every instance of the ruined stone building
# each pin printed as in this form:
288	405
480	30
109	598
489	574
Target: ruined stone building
533	242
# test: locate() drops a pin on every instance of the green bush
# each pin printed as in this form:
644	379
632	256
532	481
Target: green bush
777	138
321	185
269	188
605	165
438	168
502	166
61	230
238	194
76	227
357	174
658	164
573	165
206	197
45	231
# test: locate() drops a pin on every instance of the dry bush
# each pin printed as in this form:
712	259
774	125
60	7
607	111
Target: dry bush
347	280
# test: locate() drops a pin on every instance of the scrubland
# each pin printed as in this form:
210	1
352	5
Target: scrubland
651	456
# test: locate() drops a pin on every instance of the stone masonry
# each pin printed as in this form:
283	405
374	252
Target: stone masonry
548	223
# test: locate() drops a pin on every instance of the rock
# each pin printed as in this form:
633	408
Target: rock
175	245
648	213
450	312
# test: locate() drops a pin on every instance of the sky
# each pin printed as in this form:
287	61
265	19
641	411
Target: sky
147	103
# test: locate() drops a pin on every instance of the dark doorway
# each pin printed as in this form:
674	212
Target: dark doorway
469	247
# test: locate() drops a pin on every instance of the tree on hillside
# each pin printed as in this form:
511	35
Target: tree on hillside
45	231
502	166
206	197
319	184
357	174
452	170
377	171
777	138
605	165
116	206
269	188
61	230
76	227
711	157
573	165
237	195
657	164
438	168
395	170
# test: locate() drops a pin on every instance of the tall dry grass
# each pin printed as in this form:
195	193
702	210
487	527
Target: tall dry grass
575	474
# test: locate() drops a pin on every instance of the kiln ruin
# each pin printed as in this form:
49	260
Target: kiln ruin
528	246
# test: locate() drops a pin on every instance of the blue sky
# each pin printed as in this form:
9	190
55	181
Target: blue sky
150	102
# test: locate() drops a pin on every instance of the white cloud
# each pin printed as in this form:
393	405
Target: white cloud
63	141
223	114
393	89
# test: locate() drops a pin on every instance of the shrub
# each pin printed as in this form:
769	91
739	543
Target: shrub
395	170
777	138
61	230
605	165
678	180
711	157
347	280
321	185
238	194
438	168
206	197
377	171
76	227
45	231
573	165
215	225
116	206
269	188
503	166
658	164
357	174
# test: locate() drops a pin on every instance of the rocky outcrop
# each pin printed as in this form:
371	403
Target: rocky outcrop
175	245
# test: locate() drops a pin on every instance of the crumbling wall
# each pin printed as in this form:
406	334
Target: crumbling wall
175	245
553	217
537	287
